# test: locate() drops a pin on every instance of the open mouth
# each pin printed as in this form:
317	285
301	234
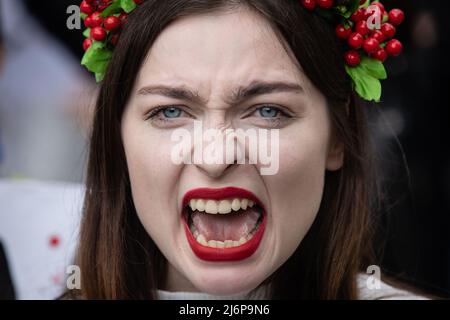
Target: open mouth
223	224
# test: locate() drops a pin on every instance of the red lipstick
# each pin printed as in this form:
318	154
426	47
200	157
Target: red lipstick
223	254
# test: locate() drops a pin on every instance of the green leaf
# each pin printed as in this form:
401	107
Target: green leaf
114	8
96	59
99	76
365	4
83	15
373	68
366	86
347	14
347	24
127	5
366	78
347	8
341	9
87	33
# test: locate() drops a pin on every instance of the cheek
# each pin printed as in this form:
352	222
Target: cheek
153	179
296	191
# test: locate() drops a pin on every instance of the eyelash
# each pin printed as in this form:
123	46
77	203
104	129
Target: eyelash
279	121
278	109
157	110
274	121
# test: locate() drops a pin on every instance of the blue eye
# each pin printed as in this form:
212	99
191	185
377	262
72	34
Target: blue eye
172	112
269	112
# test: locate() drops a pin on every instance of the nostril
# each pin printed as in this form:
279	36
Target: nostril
215	170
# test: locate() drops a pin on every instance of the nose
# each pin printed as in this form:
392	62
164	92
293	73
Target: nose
218	151
215	171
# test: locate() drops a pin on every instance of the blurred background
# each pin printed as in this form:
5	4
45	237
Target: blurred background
46	100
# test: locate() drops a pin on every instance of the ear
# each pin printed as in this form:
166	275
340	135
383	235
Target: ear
335	156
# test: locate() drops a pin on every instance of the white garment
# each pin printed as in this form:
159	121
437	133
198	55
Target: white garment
385	292
168	295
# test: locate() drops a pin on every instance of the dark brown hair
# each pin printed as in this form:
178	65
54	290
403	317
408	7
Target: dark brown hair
117	257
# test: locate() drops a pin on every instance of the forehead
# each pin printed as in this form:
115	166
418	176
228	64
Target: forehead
223	48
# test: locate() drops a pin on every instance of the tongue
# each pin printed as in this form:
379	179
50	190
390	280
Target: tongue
223	227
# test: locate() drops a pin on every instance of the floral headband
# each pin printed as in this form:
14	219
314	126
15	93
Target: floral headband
364	25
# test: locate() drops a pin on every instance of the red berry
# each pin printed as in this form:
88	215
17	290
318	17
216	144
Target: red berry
352	58
103	4
95	19
92	3
138	1
88	22
86	7
362	28
380	55
123	18
355	40
102	7
379	5
111	23
372	12
371	45
326	4
98	33
358	15
115	39
343	32
309	4
367	13
86	44
396	16
388	30
378	35
394	47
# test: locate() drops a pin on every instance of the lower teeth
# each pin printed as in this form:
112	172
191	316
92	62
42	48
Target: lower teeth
222	244
218	243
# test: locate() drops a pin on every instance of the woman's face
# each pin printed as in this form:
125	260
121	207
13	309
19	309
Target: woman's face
194	69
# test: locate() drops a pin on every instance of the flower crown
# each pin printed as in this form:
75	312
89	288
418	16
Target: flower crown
364	25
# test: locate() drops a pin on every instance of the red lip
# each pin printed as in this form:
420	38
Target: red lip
218	194
223	254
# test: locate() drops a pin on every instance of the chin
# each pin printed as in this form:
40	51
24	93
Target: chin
225	278
227	281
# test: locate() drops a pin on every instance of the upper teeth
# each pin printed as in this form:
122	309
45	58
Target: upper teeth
221	206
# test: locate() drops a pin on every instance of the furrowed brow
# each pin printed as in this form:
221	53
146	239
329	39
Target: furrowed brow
237	96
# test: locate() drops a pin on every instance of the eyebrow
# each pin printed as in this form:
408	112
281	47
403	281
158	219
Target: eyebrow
237	96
